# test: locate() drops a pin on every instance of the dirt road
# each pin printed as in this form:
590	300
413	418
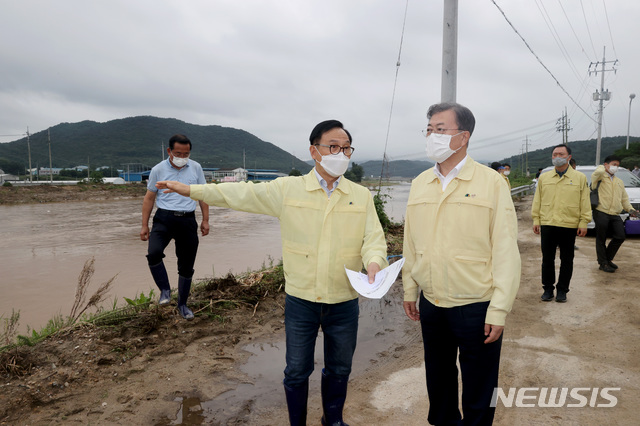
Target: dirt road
230	372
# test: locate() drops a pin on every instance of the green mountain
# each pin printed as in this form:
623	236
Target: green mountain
584	152
141	140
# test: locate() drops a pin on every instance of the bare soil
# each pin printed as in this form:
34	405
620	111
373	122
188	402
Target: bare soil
47	193
155	368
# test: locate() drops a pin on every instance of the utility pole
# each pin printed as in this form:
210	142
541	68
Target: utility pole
526	156
50	167
449	51
601	96
383	175
562	125
631	96
29	150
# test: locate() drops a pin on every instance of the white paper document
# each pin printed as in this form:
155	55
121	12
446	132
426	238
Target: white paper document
384	279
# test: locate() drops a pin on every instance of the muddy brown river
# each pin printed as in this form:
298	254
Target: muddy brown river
44	248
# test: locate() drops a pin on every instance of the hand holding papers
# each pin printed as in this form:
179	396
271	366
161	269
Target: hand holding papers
384	279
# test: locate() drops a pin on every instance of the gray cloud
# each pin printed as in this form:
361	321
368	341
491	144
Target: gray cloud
275	69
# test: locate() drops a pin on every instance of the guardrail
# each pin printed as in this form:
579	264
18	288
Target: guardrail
523	190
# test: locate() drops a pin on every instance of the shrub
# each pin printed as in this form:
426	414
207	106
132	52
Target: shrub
382	216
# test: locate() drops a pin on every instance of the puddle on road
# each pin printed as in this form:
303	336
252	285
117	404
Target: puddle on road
382	324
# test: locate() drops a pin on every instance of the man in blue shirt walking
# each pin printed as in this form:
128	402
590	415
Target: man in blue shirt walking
174	219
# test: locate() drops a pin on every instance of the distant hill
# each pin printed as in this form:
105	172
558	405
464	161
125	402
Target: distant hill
140	140
584	152
397	168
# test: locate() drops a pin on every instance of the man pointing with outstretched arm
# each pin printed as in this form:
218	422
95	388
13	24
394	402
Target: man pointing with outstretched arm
327	222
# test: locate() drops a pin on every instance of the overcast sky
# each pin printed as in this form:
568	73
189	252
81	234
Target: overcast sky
276	68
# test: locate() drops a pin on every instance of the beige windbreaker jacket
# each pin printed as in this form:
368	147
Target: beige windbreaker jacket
320	235
562	201
612	194
461	245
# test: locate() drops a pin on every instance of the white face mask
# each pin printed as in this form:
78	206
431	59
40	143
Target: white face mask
507	172
335	165
559	161
179	162
438	149
613	169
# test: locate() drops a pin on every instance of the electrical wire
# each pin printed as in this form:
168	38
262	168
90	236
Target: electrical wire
393	96
588	32
491	138
573	30
494	140
595	14
609	25
476	145
539	60
557	38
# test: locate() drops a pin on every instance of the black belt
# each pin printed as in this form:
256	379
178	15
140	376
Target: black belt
176	212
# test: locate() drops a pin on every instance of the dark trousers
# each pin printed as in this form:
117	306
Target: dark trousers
552	237
606	223
445	331
183	230
302	320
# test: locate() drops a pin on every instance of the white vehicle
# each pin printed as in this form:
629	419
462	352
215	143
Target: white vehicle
631	184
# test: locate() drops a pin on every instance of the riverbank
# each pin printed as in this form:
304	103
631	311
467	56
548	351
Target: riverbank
47	193
225	368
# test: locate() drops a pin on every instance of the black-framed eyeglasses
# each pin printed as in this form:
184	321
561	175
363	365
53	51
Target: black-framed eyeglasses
427	131
335	149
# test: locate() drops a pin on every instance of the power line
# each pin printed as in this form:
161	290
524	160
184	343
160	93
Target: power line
393	96
573	30
495	140
609	26
557	38
539	60
588	32
595	15
546	123
475	145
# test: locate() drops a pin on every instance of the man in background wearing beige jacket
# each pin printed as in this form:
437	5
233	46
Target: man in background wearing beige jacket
613	198
462	263
561	209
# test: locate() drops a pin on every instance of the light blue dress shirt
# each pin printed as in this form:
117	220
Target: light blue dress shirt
190	174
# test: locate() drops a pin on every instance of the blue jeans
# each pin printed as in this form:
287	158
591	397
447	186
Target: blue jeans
339	323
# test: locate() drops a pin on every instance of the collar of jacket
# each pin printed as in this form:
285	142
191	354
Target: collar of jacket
311	183
465	174
570	172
